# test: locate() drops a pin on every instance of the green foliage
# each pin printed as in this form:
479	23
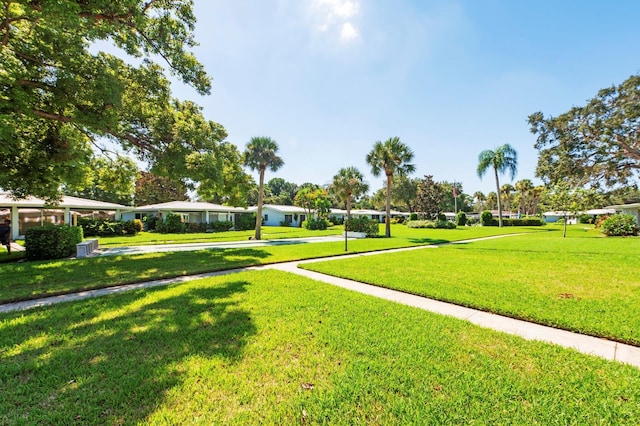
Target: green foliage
130	227
596	143
59	94
221	226
150	222
413	216
619	225
585	219
431	224
486	218
504	158
363	224
316	224
195	228
172	225
153	189
103	228
429	197
246	222
336	220
52	242
138	224
348	185
461	219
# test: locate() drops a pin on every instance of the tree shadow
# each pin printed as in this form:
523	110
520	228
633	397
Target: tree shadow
116	358
428	241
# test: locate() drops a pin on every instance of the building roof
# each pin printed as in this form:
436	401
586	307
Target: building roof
72	202
630	206
188	206
281	208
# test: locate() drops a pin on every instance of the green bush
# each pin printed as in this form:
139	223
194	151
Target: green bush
194	228
316	224
336	220
221	226
486	218
101	228
150	222
130	228
363	224
138	224
246	222
52	242
585	219
413	216
431	224
619	225
461	219
172	225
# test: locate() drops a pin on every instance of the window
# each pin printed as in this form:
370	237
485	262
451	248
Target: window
288	218
266	217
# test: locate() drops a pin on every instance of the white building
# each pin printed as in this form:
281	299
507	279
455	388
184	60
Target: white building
31	211
190	212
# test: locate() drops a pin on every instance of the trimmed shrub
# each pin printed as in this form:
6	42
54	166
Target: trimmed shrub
316	224
486	218
172	225
413	216
585	219
363	224
150	222
52	242
221	226
601	219
461	219
336	220
431	224
194	228
246	222
130	228
619	225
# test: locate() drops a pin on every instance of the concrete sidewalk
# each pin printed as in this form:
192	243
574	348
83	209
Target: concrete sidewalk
117	251
586	344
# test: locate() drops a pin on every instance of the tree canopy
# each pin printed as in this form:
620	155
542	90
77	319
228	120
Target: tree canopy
596	144
61	99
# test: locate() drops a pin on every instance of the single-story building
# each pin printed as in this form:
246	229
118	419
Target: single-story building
31	211
275	215
632	209
572	217
190	212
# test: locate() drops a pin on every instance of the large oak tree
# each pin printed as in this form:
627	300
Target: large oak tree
596	144
62	99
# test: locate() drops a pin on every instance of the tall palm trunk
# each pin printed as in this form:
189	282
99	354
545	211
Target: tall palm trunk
387	231
498	197
260	197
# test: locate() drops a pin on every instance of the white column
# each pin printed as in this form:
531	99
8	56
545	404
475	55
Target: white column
15	223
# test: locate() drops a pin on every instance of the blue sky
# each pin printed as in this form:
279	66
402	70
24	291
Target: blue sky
328	78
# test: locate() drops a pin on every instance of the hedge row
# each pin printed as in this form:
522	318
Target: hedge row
51	241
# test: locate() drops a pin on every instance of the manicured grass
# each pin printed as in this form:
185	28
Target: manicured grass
268	233
583	283
28	280
273	348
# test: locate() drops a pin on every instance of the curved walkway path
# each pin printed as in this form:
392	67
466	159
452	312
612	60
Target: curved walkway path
603	348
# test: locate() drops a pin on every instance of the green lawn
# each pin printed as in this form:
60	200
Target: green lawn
272	348
28	280
584	283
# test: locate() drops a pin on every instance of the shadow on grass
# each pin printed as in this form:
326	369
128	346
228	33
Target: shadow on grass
117	359
428	241
32	280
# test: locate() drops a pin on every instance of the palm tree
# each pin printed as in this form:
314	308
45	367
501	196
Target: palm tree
349	184
523	186
492	200
503	158
506	191
260	154
391	157
480	198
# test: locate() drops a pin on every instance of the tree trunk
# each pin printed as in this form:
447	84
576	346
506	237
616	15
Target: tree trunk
387	231
498	197
260	197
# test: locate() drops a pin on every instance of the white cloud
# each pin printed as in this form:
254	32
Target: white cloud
336	17
348	32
